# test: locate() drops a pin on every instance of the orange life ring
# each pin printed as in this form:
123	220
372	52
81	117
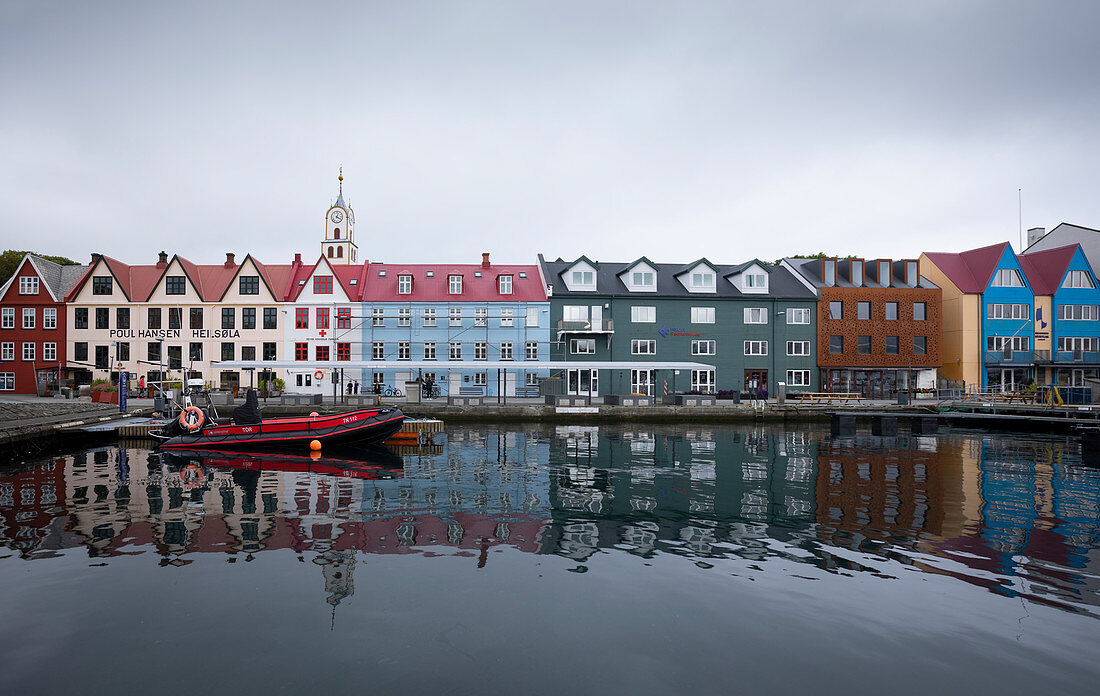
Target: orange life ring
319	375
191	476
191	418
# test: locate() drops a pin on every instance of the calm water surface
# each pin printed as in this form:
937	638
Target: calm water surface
560	560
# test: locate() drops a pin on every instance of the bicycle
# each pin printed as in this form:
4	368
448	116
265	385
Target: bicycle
387	390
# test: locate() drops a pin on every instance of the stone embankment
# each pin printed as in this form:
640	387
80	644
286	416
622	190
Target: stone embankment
26	420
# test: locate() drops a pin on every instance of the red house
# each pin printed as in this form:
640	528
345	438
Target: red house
32	325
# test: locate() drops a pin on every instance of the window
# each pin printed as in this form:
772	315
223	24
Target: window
586	346
321	353
702	280
919	311
404	350
506	350
920	345
122	318
480	379
49	317
175	285
455	352
404	284
229	318
9	318
531	350
377	350
80	351
28	351
1007	343
798	378
249	285
152	352
175	317
28	317
703	347
506	314
269	351
798	316
175	357
836	345
639	347
28	285
404	316
756	347
271	320
884	273
102	286
194	352
80	318
836	310
228	350
152	320
756	315
504	283
1019	312
532	316
891	311
429	350
1007	278
702	315
1077	312
531	379
798	347
377	316
757	281
643	315
642	279
102	318
322	318
429	316
586	279
343	317
248	317
864	310
7	381
1078	344
301	351
702	381
911	272
857	273
454	284
455	316
322	285
864	345
7	350
1074	279
248	352
301	317
891	345
343	351
481	350
481	315
196	317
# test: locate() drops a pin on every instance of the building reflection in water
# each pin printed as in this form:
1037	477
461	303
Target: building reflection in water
1018	517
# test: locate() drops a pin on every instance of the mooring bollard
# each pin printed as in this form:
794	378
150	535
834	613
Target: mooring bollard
843	424
925	425
884	425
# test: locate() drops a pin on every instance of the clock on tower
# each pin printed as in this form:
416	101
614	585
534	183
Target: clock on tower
339	242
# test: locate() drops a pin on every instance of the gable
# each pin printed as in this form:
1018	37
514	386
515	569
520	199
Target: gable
586	282
247	269
12	290
700	277
167	287
84	291
305	291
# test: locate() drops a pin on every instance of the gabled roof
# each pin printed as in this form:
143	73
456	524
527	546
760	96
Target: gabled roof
972	270
119	270
740	267
376	288
56	278
688	267
342	273
264	276
641	260
1046	269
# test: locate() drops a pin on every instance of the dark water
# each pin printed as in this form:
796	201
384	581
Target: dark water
560	560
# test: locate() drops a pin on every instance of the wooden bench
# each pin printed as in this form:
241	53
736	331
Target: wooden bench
827	397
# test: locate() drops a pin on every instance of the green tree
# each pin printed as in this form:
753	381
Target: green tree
9	262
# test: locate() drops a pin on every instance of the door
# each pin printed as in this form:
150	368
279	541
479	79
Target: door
641	381
597	318
454	384
756	382
583	382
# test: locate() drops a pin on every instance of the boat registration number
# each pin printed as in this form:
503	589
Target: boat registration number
350	419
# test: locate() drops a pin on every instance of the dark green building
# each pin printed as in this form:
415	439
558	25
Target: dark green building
755	323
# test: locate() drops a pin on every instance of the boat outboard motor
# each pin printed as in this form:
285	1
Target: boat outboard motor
249	412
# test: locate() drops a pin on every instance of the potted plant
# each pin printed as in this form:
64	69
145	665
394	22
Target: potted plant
104	392
277	386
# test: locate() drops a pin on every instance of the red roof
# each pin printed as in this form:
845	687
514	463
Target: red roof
1045	269
970	271
378	288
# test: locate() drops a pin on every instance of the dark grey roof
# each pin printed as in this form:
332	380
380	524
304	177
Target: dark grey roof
810	270
781	282
60	279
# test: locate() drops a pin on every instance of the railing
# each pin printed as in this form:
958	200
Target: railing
1009	357
602	326
1076	357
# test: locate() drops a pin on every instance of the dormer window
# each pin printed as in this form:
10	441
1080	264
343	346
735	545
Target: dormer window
756	280
1007	278
429	274
505	284
404	284
642	279
1077	279
702	280
522	274
454	284
477	274
829	272
911	276
884	273
857	273
382	274
584	278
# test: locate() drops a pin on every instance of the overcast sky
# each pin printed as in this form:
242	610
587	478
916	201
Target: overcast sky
673	130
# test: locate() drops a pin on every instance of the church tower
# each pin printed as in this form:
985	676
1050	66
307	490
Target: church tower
339	242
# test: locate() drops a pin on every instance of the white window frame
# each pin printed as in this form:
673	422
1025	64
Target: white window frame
582	280
49	317
404	316
1074	279
481	316
798	378
404	350
1072	344
798	315
429	316
1007	278
7	318
756	347
531	379
582	346
28	285
532	317
377	316
28	317
481	350
531	350
704	346
702	281
643	346
7	350
801	348
454	350
454	316
7	381
756	315
1068	312
506	350
378	350
404	284
49	352
507	315
703	381
504	284
481	379
702	315
28	351
756	281
454	284
429	350
643	314
1015	312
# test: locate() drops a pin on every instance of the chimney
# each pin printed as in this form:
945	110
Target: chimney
96	257
1035	234
229	259
485	260
162	260
298	259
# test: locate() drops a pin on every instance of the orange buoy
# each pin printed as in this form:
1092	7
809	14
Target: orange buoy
315	445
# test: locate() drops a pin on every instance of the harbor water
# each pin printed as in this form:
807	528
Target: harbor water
559	560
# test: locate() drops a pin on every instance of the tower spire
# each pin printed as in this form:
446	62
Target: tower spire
340	197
